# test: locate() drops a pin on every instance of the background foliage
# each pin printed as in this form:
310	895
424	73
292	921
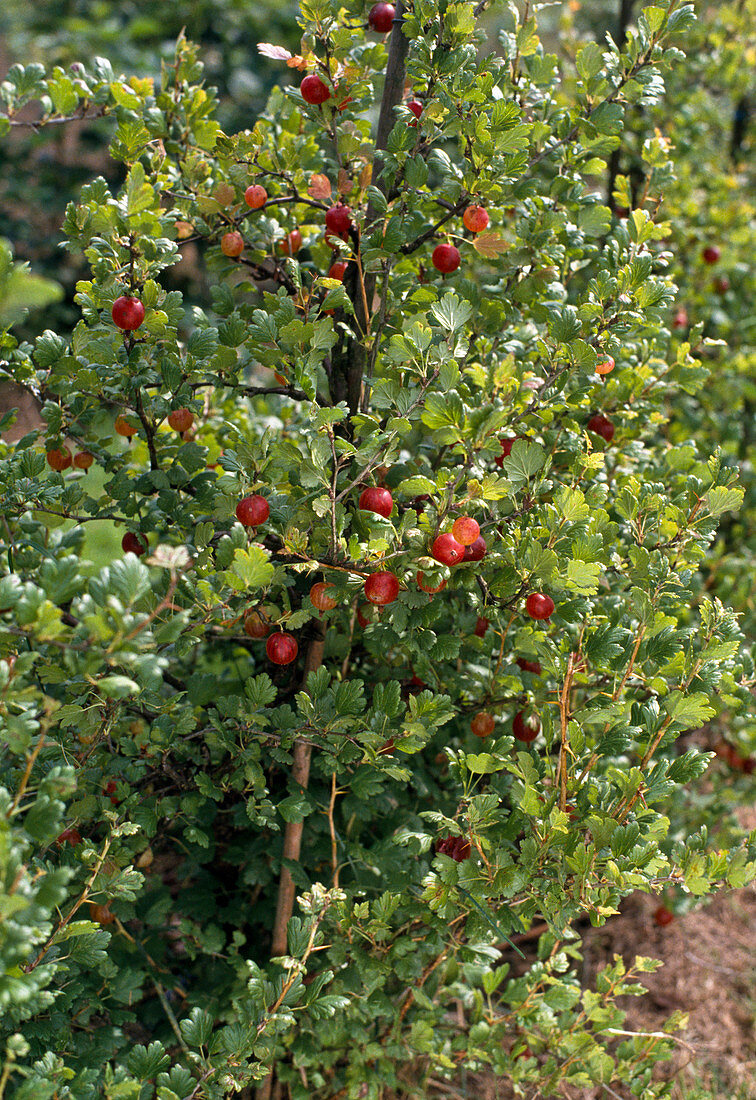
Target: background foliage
151	750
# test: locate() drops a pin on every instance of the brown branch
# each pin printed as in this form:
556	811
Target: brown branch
564	717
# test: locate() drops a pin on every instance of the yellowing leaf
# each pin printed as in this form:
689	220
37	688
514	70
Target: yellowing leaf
490	244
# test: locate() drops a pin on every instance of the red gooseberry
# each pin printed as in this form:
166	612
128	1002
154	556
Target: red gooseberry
476	219
526	727
447	550
338	220
481	626
255	626
134	544
466	530
381	17
662	916
252	510
322	596
539	606
83	460
378	500
255	196
314	91
482	724
232	244
291	243
381	588
59	458
606	367
476	551
127	313
417	110
123	427
181	420
711	254
601	425
529	666
337	270
282	648
456	847
445	258
428	587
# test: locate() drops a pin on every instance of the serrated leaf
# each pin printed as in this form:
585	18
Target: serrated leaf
490	244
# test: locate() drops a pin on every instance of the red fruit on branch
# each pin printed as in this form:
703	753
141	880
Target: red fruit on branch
123	427
338	220
232	244
337	270
83	460
476	551
445	258
314	91
381	18
721	284
605	367
378	500
601	425
291	243
662	916
255	196
417	109
127	313
181	420
429	588
481	626
526	727
322	596
539	606
506	443
381	588
482	724
711	254
282	648
456	847
252	510
680	319
476	219
466	530
366	615
59	458
529	666
447	550
255	626
134	544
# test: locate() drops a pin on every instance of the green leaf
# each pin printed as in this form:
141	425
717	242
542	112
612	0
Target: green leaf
251	568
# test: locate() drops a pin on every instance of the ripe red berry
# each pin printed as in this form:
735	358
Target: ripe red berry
366	614
506	443
123	427
322	596
680	319
476	219
59	458
255	196
539	606
721	284
255	626
447	550
526	727
445	258
416	108
601	425
378	500
252	511
134	544
281	648
381	588
291	243
481	626
314	91
466	530
83	460
429	588
337	270
381	18
338	220
476	551
181	420
232	244
711	254
605	367
127	313
482	724
662	916
529	666
456	847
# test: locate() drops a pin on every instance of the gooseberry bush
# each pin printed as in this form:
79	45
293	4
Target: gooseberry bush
352	625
